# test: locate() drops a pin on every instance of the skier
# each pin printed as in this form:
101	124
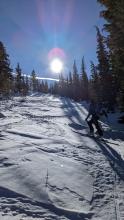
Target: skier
95	111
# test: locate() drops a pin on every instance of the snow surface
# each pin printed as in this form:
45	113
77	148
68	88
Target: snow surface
50	168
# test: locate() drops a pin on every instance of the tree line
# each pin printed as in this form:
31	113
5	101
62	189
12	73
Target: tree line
17	83
106	81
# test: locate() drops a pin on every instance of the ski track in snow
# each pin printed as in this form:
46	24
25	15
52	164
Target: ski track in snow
51	168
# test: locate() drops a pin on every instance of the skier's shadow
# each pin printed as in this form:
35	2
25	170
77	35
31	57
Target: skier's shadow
114	158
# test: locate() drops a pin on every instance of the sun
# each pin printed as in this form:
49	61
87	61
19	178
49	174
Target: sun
56	65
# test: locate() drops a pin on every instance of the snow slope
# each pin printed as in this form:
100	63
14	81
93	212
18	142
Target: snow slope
50	168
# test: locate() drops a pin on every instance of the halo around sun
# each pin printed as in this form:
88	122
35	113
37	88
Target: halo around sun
56	65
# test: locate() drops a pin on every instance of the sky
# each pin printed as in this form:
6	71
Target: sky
36	31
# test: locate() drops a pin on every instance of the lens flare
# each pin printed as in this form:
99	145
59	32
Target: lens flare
56	65
56	52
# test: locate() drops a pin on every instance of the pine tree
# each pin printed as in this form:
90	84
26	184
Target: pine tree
42	86
5	71
70	86
94	83
114	14
105	76
62	85
75	80
102	55
33	81
94	74
51	88
67	87
18	83
27	86
23	85
84	82
46	87
55	88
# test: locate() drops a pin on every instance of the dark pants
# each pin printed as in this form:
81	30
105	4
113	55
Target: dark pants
94	121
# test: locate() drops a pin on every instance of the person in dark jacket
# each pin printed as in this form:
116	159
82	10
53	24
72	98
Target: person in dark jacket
95	111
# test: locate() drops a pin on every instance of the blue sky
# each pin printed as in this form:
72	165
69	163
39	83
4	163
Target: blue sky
34	31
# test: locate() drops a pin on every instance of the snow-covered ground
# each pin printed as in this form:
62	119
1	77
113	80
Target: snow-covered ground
50	168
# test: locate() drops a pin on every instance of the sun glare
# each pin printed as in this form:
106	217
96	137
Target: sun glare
56	65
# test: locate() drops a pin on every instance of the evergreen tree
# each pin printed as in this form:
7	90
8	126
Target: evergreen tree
94	83
23	85
94	74
67	87
55	88
33	81
37	85
113	12
62	85
84	82
18	81
102	55
75	81
27	86
46	87
51	88
5	71
70	85
42	86
105	77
